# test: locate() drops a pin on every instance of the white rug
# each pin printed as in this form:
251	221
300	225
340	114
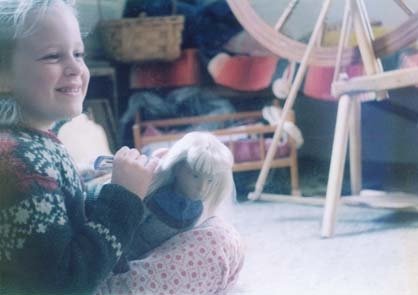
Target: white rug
374	251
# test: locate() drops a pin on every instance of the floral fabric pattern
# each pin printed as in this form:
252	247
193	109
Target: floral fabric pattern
204	260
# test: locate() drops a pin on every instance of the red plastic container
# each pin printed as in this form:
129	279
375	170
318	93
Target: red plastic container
318	80
245	73
184	71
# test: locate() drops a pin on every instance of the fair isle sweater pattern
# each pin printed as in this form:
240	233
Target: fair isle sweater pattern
42	217
29	217
35	160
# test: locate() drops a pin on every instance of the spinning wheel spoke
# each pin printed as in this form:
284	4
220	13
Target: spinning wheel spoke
286	13
405	7
286	46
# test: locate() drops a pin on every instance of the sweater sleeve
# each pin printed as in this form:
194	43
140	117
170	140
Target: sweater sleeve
52	248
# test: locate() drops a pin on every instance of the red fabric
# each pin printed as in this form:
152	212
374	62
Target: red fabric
318	80
249	150
245	73
183	71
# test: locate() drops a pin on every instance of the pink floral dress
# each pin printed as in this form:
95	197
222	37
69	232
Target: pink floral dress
204	260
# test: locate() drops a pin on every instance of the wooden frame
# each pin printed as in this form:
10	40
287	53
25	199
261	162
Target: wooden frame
254	130
99	110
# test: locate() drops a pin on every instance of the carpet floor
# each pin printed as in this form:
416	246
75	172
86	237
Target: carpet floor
373	251
313	176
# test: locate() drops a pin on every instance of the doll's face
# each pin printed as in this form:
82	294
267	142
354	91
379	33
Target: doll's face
191	183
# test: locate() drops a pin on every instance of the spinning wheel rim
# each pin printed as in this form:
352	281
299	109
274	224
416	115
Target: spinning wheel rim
286	47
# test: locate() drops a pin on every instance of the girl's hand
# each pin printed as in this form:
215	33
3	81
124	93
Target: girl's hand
133	170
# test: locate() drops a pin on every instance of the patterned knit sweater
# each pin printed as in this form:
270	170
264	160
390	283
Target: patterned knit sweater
47	243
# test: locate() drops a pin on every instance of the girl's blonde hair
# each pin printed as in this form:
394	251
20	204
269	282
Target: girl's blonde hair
13	26
206	154
14	15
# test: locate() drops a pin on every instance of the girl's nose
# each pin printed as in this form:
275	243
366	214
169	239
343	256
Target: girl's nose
72	67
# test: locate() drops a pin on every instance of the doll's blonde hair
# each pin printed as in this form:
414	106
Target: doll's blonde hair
13	26
206	154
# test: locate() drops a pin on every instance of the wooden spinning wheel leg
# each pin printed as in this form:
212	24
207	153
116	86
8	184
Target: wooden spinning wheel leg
289	103
336	170
355	147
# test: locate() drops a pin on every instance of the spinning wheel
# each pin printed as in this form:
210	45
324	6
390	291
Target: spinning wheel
276	37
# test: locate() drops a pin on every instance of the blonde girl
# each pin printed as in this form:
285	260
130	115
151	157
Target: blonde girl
53	238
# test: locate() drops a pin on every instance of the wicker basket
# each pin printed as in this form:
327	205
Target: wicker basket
143	38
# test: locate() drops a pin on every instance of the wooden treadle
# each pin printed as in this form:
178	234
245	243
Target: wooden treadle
383	200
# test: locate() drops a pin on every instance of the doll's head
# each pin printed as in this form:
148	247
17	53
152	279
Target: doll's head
43	53
200	166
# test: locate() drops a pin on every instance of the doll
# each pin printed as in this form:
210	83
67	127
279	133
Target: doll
204	259
191	181
198	166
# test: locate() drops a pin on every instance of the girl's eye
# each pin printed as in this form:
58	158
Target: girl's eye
80	54
51	56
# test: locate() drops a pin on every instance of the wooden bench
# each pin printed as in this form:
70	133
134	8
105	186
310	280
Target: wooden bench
258	136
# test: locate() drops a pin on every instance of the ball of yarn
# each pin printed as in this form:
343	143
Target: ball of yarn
281	88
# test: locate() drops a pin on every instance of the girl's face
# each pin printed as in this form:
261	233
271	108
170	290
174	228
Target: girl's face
190	183
49	75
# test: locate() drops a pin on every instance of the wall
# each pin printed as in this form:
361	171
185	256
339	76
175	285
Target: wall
386	136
